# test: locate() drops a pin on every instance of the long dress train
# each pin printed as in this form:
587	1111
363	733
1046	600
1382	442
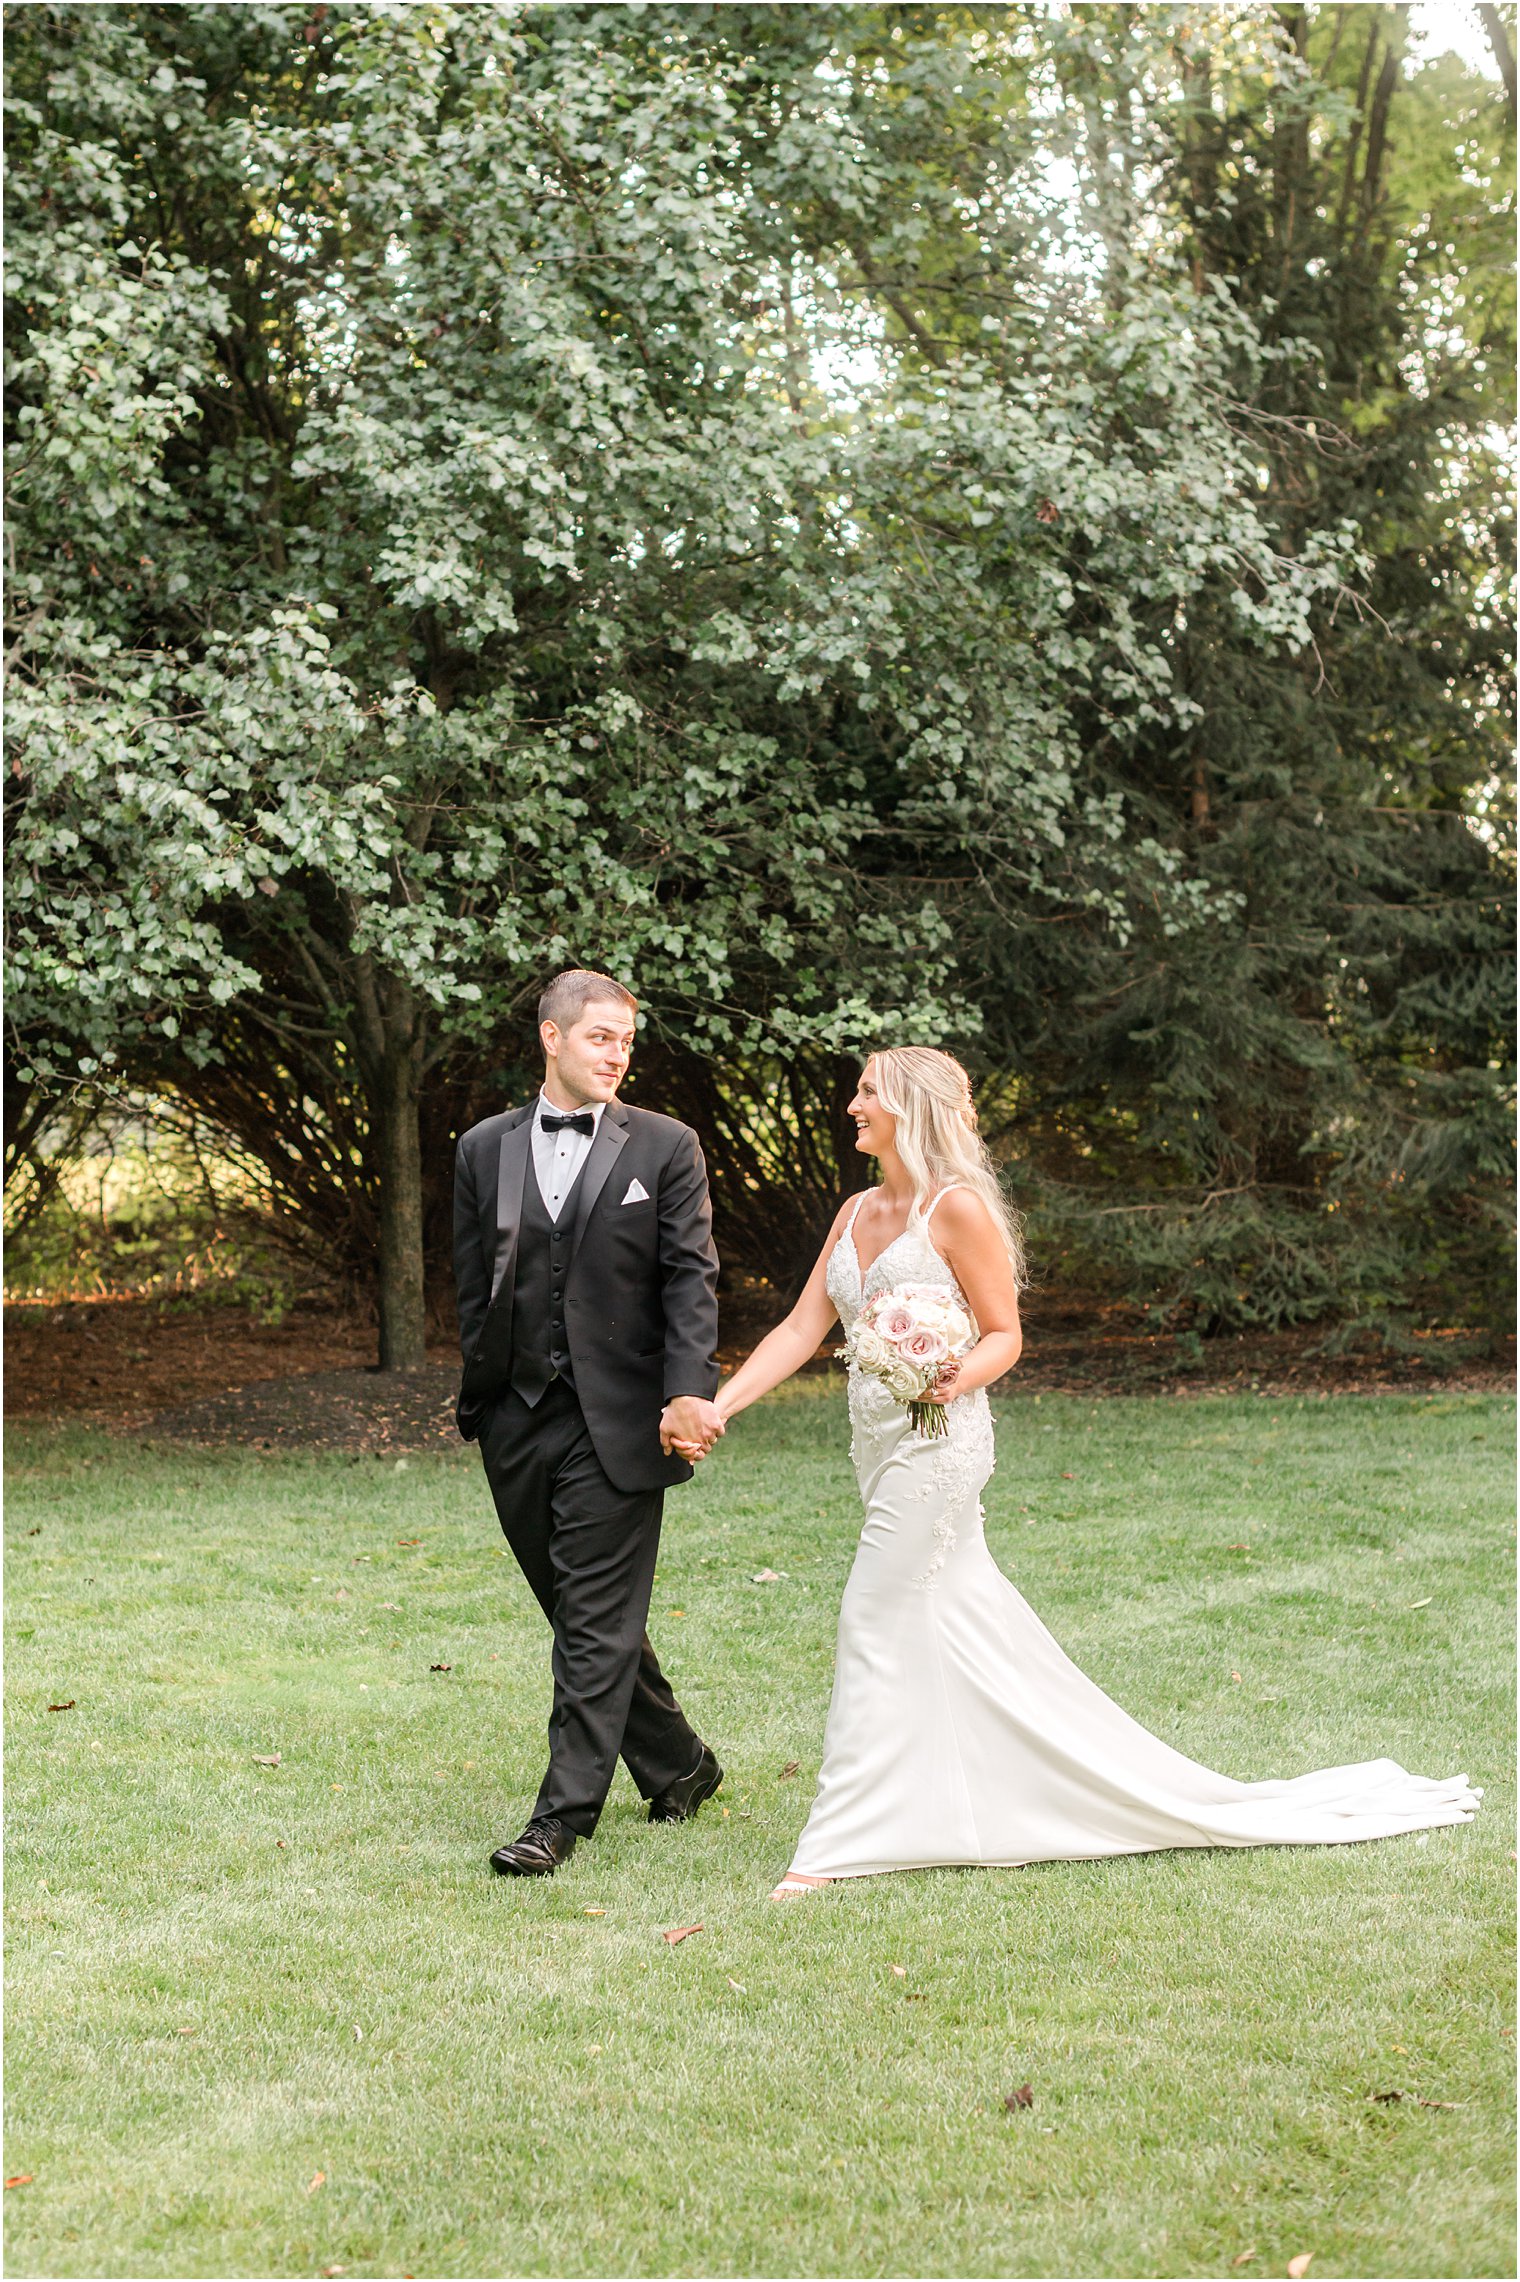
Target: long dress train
960	1732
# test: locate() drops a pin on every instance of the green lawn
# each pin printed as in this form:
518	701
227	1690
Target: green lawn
270	2021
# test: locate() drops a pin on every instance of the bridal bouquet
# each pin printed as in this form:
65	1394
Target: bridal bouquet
906	1338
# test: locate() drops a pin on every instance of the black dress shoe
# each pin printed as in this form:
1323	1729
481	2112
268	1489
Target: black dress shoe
682	1800
539	1852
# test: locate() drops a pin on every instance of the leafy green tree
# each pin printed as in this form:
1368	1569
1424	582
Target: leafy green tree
498	487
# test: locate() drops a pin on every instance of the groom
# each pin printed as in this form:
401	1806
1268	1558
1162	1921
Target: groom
588	1316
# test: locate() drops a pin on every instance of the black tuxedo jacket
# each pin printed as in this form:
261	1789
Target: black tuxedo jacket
641	1295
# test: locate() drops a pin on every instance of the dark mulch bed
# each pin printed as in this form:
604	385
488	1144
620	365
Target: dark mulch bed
325	1410
207	1372
115	1362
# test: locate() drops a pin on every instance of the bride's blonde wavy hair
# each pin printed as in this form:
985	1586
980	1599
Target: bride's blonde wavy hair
929	1094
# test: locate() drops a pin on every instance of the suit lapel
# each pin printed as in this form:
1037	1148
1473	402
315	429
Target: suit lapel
511	1171
611	1133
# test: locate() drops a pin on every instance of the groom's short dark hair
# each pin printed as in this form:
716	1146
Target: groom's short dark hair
568	996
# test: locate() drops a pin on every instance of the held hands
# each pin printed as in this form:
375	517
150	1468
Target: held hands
690	1426
944	1388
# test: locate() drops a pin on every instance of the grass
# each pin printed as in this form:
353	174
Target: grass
271	2021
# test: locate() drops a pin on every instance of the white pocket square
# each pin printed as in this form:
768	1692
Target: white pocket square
637	1193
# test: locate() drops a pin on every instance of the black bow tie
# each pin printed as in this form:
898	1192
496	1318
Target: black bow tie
579	1121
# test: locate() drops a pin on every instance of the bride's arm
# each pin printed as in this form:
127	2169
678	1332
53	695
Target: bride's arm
795	1340
964	1232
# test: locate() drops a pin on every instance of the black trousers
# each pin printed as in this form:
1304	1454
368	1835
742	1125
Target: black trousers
588	1550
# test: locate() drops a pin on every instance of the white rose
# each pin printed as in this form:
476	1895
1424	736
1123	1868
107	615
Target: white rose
871	1350
946	1318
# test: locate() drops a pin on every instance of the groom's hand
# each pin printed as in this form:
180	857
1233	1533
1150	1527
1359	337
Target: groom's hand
691	1424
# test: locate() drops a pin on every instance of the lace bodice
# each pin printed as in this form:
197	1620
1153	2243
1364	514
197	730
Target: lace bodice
908	1259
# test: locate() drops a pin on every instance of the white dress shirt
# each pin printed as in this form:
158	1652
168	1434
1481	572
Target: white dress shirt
558	1157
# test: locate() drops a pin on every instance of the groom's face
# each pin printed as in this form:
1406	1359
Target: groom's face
590	1057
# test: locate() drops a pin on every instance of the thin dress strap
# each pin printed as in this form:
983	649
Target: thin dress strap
944	1192
859	1201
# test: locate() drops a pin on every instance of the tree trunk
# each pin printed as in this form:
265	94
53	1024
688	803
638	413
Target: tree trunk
389	1048
398	1149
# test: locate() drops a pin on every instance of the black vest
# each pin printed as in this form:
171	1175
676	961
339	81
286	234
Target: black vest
540	1351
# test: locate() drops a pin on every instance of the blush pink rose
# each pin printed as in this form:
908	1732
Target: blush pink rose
924	1346
895	1323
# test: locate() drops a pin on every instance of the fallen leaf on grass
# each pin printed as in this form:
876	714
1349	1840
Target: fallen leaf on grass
1235	1676
901	1971
358	2034
789	1770
69	1706
1068	1477
266	1759
1383	2098
1245	2257
733	1984
440	1667
1300	2265
409	1541
679	1933
1421	1604
21	2179
766	1577
1438	2103
188	2032
593	1913
1022	2098
329	2271
393	1606
318	2179
280	1843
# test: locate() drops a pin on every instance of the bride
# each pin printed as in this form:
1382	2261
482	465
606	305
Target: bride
958	1731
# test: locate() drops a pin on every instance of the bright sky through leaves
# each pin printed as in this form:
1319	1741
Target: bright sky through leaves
1439	26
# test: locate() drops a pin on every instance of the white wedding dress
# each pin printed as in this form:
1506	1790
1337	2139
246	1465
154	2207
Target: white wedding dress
959	1732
